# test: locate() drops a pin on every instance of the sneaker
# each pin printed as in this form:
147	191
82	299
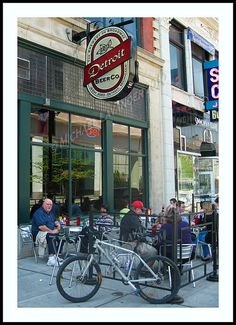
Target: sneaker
52	261
60	259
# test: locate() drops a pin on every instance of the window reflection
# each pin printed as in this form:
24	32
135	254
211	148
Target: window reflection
121	179
128	167
131	28
120	138
177	138
86	132
135	140
49	126
176	58
49	171
86	178
198	78
137	183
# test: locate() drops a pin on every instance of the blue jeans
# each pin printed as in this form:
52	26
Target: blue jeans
201	237
50	238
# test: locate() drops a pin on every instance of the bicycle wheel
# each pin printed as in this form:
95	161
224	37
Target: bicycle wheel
167	285
76	285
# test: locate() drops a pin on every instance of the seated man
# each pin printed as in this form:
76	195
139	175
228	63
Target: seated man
45	226
131	227
105	221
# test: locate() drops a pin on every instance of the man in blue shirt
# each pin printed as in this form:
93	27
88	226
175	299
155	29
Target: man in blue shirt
44	223
181	208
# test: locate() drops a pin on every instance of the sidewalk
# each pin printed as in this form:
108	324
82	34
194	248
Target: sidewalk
34	291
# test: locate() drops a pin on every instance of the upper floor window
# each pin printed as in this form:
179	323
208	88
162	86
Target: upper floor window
177	57
199	55
132	28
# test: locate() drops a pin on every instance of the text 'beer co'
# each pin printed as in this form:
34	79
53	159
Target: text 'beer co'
110	65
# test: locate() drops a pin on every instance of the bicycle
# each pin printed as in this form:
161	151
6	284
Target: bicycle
80	277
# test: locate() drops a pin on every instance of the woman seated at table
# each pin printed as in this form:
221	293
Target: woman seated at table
183	231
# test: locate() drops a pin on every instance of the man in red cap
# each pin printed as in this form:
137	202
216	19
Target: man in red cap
130	226
131	222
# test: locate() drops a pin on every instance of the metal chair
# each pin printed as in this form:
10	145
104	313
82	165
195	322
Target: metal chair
27	239
184	254
66	237
201	244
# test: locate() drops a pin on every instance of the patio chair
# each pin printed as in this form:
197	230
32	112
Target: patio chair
27	239
184	254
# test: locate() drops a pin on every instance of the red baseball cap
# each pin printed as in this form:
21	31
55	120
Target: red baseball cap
137	204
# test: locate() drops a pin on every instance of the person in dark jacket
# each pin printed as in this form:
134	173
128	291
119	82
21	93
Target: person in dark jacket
212	230
131	227
130	223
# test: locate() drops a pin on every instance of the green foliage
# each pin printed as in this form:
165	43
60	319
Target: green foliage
81	169
120	179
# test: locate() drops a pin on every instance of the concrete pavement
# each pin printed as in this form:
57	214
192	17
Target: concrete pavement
34	291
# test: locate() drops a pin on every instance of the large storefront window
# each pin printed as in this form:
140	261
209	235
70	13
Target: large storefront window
128	168
59	169
207	178
66	161
196	176
185	174
190	128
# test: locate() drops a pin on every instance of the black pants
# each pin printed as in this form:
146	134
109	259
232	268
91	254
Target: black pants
53	238
50	238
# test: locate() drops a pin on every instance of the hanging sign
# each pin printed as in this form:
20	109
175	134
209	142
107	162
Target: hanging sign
212	103
110	69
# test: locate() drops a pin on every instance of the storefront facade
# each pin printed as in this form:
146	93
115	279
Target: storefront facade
72	146
193	44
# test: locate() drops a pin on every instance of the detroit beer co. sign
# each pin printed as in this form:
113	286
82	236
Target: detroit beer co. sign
110	64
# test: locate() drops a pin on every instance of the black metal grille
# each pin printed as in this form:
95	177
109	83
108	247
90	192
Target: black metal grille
52	78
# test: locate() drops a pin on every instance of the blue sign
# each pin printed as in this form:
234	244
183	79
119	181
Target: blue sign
212	104
198	39
210	64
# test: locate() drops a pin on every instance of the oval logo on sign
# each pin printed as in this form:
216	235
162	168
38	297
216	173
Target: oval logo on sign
108	73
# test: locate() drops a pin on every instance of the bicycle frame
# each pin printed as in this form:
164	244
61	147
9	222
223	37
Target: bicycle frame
98	245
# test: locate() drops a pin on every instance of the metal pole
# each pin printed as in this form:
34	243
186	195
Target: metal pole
174	239
176	299
214	276
192	203
91	280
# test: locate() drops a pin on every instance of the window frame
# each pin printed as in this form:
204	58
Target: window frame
195	52
180	46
